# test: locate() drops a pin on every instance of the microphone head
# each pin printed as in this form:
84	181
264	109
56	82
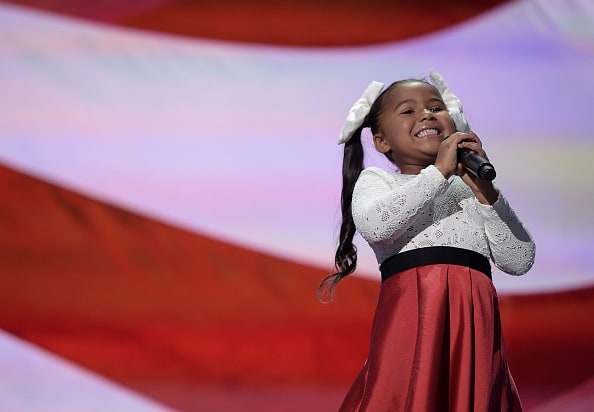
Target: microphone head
487	172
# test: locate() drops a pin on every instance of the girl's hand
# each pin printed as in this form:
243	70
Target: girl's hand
447	155
447	163
482	189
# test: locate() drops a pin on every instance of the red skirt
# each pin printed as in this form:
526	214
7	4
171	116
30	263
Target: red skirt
436	345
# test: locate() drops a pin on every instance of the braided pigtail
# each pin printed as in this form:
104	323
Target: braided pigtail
345	259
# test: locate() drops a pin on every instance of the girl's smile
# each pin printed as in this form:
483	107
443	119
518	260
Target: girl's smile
427	132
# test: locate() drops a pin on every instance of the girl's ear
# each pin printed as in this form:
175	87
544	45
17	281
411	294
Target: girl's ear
381	143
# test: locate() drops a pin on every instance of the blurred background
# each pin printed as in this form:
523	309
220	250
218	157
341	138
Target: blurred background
170	184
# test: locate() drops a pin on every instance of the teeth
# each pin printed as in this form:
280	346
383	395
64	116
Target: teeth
426	132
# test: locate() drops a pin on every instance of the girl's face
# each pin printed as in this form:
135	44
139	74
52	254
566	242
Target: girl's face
413	122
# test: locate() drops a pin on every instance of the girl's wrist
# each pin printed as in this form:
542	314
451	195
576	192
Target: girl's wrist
444	171
487	195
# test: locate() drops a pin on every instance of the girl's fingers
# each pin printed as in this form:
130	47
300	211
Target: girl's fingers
460	137
474	146
479	141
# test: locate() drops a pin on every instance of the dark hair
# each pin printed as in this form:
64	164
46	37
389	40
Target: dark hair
345	259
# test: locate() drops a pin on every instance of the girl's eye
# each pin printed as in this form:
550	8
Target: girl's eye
437	109
408	111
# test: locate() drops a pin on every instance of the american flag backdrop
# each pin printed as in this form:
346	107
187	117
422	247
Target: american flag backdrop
170	185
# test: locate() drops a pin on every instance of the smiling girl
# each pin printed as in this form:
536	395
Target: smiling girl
436	342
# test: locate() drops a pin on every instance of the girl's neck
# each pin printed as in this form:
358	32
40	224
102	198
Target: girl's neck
410	169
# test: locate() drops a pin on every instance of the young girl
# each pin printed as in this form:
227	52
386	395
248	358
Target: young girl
436	342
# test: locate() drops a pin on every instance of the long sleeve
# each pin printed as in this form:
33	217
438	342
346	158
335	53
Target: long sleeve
511	245
383	210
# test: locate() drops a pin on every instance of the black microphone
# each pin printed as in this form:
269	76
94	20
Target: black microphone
476	164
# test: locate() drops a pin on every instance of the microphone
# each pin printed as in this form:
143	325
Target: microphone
476	164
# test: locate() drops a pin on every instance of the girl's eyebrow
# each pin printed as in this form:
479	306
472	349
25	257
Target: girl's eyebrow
403	102
436	99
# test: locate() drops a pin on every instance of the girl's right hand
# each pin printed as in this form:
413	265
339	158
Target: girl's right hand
447	163
447	155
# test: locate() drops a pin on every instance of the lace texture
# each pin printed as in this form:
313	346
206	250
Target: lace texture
395	213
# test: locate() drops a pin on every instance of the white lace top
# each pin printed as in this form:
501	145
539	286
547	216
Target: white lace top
396	212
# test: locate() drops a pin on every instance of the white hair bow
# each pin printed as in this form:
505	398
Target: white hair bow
359	111
452	102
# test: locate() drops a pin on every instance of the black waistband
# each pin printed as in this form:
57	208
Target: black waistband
432	256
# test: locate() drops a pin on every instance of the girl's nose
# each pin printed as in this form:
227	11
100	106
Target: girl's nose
426	114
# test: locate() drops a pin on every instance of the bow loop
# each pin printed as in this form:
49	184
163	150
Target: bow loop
359	111
453	104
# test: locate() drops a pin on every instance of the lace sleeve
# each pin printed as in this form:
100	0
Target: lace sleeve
384	208
512	247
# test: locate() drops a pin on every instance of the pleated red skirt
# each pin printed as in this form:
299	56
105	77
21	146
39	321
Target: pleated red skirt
436	345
